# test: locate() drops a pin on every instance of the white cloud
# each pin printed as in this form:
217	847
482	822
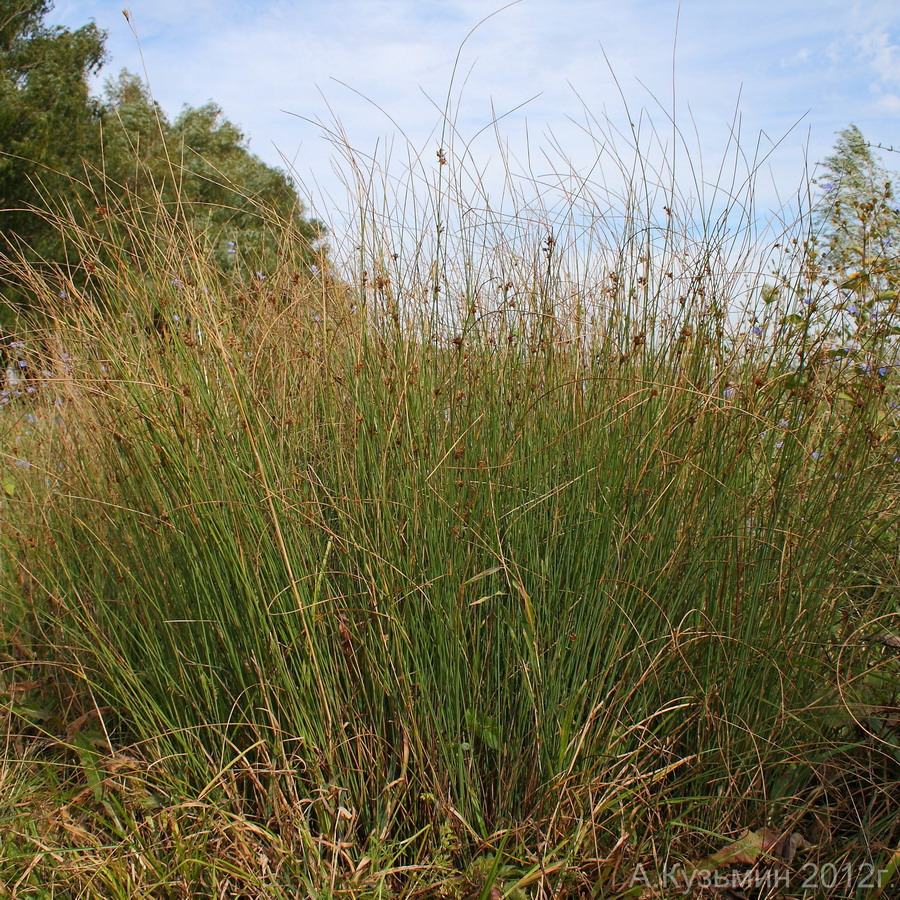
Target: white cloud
888	103
255	59
882	54
799	58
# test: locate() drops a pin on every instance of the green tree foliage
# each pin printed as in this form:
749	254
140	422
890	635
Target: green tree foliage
104	157
854	258
859	219
199	167
48	121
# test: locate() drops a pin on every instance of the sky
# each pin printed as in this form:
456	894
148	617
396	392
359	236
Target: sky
793	73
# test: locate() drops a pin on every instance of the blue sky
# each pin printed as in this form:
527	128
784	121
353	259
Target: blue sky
810	66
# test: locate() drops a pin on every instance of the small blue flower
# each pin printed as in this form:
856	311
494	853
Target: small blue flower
30	419
807	300
783	423
779	445
176	318
23	463
23	364
30	389
314	269
260	276
728	393
852	309
65	356
828	186
889	240
756	330
883	371
815	454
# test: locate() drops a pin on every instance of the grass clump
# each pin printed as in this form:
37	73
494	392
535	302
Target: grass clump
498	556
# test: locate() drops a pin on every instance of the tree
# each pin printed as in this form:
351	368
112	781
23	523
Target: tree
856	252
200	165
80	156
229	185
48	121
859	218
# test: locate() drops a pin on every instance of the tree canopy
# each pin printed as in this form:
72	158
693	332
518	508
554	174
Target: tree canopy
859	218
48	120
200	164
64	148
854	254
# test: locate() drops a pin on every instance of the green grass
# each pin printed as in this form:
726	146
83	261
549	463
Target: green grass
481	565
